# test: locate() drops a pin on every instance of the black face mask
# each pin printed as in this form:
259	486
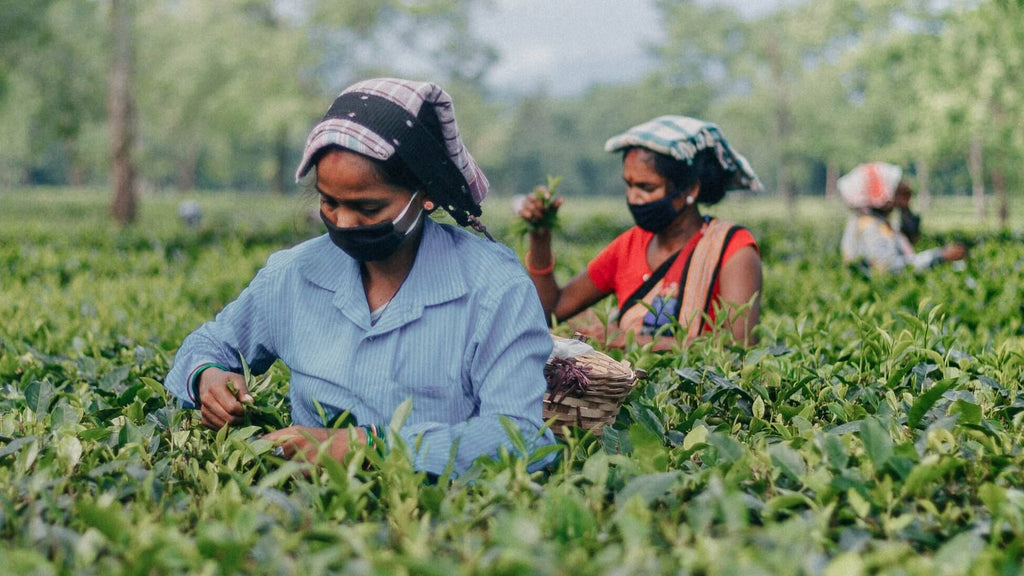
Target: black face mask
376	241
657	215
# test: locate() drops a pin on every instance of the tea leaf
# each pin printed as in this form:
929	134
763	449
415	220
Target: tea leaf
926	400
649	487
877	442
39	395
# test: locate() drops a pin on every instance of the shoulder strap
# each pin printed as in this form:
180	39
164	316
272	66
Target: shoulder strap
644	288
701	273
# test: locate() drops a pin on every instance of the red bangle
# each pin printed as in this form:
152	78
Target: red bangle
542	272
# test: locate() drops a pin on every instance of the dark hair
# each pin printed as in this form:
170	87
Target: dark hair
705	169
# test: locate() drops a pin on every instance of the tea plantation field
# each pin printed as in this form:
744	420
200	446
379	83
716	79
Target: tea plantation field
875	429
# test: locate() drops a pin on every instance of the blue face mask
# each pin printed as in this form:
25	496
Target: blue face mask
376	241
657	215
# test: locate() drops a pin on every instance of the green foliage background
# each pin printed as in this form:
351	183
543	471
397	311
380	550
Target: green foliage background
875	429
225	93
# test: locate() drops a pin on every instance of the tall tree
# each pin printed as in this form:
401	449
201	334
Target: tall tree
56	65
974	88
754	68
236	86
121	102
230	107
565	137
22	30
69	73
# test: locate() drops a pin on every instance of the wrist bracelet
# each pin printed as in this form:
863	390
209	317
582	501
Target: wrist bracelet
194	384
543	271
369	435
374	439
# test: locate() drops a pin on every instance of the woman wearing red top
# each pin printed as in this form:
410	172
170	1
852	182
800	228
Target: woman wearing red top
676	265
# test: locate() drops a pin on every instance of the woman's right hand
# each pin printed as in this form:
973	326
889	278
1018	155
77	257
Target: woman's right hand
534	209
221	395
954	252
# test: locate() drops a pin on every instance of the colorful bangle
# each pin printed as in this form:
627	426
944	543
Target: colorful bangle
542	272
374	439
194	384
369	435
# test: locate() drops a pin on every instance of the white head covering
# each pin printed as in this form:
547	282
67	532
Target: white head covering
871	185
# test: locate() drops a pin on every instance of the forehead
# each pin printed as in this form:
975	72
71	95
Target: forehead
344	164
349	175
639	165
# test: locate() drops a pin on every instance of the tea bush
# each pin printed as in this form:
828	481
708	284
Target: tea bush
874	429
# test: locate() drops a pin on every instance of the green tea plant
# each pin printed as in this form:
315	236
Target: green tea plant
547	193
874	429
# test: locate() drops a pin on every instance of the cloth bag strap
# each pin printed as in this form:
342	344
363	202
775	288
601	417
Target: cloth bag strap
648	284
696	285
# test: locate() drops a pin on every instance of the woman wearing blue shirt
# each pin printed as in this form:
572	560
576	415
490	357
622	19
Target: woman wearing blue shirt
388	305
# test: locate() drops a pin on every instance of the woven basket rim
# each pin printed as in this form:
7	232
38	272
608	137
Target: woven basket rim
611	381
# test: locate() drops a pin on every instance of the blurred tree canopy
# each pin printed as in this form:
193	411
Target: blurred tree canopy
226	91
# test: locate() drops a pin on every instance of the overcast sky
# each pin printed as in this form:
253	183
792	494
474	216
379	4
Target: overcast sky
564	46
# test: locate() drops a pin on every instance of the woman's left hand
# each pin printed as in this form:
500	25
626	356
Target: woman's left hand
303	442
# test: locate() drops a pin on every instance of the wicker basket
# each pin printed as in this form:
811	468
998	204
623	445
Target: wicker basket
610	382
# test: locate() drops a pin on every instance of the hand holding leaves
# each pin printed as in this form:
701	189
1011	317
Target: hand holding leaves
221	397
227	398
268	417
539	209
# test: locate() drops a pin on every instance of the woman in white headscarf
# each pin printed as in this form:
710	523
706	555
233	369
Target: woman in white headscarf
388	305
870	242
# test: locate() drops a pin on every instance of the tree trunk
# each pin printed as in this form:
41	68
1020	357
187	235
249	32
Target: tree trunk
76	173
783	120
924	193
831	180
999	185
975	166
783	185
120	103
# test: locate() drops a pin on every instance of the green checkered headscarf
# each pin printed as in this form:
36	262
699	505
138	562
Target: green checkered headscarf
681	137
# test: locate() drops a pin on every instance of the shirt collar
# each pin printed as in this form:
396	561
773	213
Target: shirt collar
431	281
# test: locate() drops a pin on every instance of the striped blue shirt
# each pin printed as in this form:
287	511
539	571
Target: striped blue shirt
465	338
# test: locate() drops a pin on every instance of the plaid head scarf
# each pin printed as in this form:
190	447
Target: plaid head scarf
382	117
681	137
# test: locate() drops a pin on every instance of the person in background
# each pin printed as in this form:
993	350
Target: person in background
191	213
871	191
388	305
909	222
676	267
